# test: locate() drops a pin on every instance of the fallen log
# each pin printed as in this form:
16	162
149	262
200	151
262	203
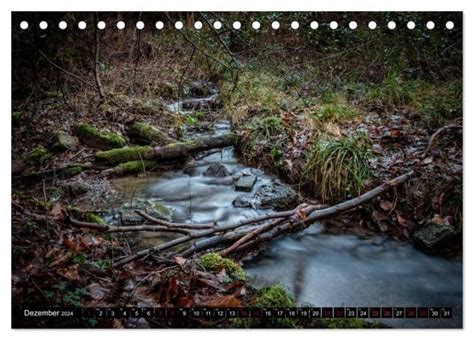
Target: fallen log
164	153
292	220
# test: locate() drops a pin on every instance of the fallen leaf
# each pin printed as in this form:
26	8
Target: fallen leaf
69	273
427	160
386	205
97	292
223	301
378	216
57	212
180	261
74	247
402	220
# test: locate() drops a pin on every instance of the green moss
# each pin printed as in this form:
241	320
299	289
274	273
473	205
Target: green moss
16	118
93	218
162	211
122	155
135	167
103	140
38	156
214	262
146	133
72	171
270	297
273	296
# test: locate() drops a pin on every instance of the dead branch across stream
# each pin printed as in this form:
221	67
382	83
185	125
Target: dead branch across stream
241	235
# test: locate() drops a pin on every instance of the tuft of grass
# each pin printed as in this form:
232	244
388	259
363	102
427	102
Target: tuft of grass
337	113
337	168
264	140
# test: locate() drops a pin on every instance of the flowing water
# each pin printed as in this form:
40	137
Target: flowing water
320	269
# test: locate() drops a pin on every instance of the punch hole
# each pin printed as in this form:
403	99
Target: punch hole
333	25
314	25
430	25
43	25
101	25
82	25
411	25
159	25
392	25
120	25
372	25
353	25
295	25
217	25
449	25
178	25
256	25
275	25
198	25
237	25
24	25
140	25
62	25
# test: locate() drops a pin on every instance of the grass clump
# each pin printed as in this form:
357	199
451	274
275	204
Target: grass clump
264	140
122	155
334	112
214	262
337	168
95	138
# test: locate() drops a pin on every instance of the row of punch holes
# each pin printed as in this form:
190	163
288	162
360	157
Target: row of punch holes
217	25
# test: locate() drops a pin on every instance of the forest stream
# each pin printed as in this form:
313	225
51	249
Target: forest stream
320	269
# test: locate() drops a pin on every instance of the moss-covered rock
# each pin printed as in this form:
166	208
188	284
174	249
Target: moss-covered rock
143	133
134	167
37	156
93	218
214	262
95	138
64	141
122	155
72	171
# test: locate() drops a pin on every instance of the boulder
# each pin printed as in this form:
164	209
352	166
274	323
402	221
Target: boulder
433	235
276	195
217	169
63	141
245	183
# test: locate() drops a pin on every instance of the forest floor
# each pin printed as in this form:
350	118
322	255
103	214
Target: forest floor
329	148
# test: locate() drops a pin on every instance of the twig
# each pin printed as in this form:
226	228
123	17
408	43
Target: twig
120	229
97	64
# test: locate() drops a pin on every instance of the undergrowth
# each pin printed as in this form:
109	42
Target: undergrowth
336	168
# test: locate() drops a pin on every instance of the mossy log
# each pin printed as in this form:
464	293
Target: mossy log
167	152
143	133
99	139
